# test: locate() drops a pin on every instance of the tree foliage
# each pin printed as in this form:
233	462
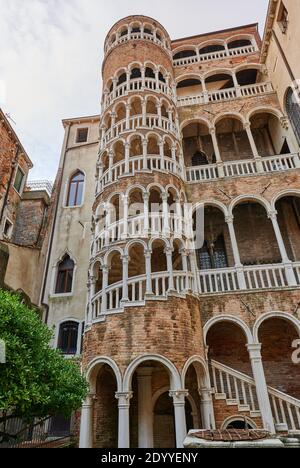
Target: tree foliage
36	381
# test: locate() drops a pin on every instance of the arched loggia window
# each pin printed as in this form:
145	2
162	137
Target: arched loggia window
293	112
68	338
65	273
213	255
75	191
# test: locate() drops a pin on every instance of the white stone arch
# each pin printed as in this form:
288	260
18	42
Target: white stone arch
200	120
248	66
269	315
218	71
134	187
264	110
187	76
148	25
239	418
175	382
229	115
253	198
228	318
160	239
211	42
203	365
135	23
150	64
211	202
241	36
134	242
94	263
172	187
135	97
120	71
108	255
118	104
134	135
156	185
111	196
93	369
182	48
283	194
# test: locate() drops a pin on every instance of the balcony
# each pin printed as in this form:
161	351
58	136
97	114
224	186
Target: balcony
217	55
246	168
210	97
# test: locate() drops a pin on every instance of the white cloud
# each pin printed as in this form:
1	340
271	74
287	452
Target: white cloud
51	53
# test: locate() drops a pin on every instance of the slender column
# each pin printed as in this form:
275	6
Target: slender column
179	221
173	150
158	108
146	214
113	124
144	112
127	157
115	82
236	253
207	408
143	72
145	153
166	225
261	387
290	275
213	134
89	313
180	420
128	75
92	295
236	85
204	91
105	270
194	269
128	109
86	424
125	262
256	155
124	430
162	156
125	216
145	411
185	268
111	163
157	79
169	255
148	255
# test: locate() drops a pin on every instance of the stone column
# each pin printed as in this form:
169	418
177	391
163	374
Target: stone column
111	163
180	420
86	424
257	157
236	253
124	429
213	134
204	91
128	109
105	271
207	409
236	85
162	155
166	225
125	262
290	275
157	79
158	108
261	387
128	75
145	153
169	255
148	255
146	214
143	72
125	216
115	82
144	113
185	268
127	157
145	410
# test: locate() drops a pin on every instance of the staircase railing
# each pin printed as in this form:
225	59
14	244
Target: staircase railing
238	388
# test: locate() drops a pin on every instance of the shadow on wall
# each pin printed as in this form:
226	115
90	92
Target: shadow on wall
4	257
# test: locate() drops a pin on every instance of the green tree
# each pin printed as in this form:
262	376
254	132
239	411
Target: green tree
36	381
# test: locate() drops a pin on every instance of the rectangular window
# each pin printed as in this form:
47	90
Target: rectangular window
8	228
82	135
283	18
19	180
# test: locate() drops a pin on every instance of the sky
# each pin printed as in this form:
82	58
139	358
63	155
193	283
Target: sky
51	53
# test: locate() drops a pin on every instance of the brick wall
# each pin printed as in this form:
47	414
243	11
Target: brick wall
29	222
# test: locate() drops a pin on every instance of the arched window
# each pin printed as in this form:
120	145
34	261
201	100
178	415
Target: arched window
293	112
75	192
65	273
68	337
199	159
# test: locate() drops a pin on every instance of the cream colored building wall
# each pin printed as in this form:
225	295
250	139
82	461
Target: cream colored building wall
73	228
289	42
24	271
